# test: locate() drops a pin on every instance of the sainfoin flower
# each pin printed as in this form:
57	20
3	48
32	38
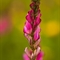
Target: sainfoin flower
32	32
27	28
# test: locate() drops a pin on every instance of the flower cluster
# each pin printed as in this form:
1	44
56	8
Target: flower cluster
31	32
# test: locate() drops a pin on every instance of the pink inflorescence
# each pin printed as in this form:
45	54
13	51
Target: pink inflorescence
31	32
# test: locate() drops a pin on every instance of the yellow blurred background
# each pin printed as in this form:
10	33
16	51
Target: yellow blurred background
12	19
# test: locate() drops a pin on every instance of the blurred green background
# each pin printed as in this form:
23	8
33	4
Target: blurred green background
12	19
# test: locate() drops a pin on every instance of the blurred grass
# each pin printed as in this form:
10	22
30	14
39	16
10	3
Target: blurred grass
13	42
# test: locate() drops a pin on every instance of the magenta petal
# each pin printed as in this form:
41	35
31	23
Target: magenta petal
28	18
36	34
25	57
30	12
39	56
38	20
32	5
27	28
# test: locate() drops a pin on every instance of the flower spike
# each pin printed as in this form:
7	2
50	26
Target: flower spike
31	32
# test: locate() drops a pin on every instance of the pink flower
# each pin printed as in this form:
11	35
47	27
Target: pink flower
27	28
29	17
38	20
39	56
25	57
32	5
36	33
